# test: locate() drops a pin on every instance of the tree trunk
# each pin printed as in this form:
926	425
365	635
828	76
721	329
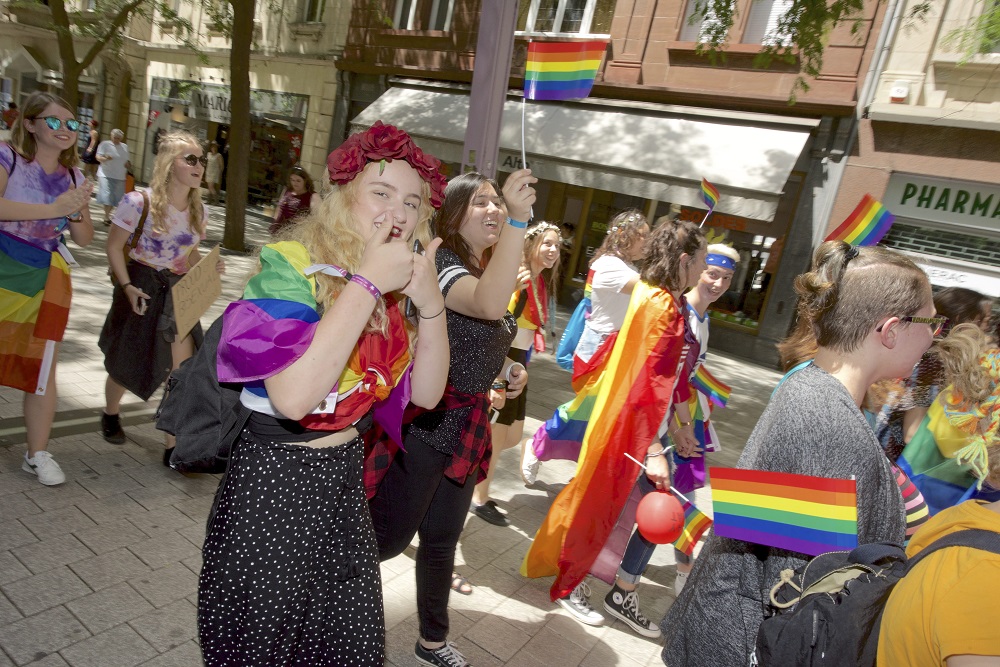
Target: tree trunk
239	127
71	84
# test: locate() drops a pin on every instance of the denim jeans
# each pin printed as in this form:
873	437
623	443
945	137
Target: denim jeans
639	549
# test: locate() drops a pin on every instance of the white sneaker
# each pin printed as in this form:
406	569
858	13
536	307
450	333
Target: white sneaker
44	466
529	464
679	581
578	605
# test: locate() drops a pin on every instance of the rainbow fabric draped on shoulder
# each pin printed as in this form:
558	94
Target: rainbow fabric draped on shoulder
633	400
273	325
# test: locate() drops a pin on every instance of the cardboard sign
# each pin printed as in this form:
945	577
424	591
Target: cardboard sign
195	292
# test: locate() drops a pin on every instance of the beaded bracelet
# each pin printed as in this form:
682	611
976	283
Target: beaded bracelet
517	224
367	284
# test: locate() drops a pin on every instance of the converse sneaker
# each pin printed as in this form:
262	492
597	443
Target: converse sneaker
624	605
490	513
529	465
111	429
44	466
443	656
577	604
679	581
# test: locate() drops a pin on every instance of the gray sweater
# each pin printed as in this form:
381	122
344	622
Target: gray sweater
810	427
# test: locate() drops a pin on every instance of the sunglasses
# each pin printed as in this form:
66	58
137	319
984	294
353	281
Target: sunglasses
191	160
937	323
72	124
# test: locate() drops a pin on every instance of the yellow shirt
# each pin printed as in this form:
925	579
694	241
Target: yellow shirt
948	605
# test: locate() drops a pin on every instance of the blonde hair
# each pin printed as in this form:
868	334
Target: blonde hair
724	250
24	141
961	353
173	146
532	242
330	235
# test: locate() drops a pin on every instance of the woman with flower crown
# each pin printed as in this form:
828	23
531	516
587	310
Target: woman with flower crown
290	573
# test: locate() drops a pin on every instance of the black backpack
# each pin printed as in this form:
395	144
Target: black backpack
205	415
828	611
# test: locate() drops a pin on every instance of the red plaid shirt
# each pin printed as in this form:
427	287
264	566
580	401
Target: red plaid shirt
472	450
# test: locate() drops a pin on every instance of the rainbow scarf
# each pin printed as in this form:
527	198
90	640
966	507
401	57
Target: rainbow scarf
633	400
695	525
536	307
810	515
35	293
561	70
866	225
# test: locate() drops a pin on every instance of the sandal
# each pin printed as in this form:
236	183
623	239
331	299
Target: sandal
460	584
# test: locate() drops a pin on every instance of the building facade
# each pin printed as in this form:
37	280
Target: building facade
660	118
929	148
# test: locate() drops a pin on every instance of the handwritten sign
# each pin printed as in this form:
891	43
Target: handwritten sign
195	292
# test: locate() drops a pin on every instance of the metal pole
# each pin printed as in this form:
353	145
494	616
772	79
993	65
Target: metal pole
494	51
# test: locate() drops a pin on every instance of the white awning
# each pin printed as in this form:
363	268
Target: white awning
661	156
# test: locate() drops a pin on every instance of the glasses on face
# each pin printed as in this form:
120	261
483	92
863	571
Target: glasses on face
937	323
72	124
191	160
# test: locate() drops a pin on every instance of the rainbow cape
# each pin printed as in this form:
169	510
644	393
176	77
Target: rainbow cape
866	225
561	70
810	515
695	525
716	390
632	403
35	293
709	194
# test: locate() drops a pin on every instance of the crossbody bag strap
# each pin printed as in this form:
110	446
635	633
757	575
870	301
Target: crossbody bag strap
973	538
134	241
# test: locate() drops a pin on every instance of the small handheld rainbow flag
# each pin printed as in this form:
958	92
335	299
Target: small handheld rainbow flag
866	225
716	390
709	194
695	525
811	515
561	70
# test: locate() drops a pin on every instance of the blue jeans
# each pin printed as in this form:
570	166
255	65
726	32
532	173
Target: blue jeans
639	549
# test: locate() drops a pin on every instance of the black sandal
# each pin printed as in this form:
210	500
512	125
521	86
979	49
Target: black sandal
458	584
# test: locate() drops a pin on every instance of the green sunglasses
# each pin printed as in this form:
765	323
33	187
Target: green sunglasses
72	124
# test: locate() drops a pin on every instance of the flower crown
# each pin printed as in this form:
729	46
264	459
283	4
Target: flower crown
540	228
381	143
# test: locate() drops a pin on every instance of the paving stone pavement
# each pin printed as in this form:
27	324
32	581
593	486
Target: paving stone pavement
102	570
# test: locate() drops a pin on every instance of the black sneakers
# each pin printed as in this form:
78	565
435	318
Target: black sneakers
444	656
111	429
488	512
624	605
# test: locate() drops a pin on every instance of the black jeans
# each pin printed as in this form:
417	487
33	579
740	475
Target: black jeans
416	498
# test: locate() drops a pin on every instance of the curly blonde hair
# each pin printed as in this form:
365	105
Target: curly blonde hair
532	242
173	146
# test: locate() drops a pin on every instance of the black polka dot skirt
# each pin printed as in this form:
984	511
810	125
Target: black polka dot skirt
290	573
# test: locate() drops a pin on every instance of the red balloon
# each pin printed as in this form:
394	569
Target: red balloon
660	517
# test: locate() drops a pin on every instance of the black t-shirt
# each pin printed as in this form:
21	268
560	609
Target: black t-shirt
478	348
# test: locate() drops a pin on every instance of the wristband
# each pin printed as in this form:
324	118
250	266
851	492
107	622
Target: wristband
367	284
421	315
517	224
124	285
516	363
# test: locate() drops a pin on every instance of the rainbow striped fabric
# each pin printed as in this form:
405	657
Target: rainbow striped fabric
810	515
695	524
866	225
35	293
561	70
709	194
717	391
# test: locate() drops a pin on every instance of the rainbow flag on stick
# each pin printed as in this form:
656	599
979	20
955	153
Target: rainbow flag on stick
561	70
716	390
866	225
695	525
811	515
709	194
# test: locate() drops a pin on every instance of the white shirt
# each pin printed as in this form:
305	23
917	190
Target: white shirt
608	304
115	167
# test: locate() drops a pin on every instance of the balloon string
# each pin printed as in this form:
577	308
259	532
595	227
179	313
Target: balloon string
672	489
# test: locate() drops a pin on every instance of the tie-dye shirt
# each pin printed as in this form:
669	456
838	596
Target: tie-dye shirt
161	250
30	184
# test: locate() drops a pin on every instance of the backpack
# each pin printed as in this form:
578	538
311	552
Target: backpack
828	611
203	414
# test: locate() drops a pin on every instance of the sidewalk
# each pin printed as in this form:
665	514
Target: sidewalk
102	571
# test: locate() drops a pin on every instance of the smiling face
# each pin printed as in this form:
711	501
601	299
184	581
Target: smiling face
185	174
47	138
714	282
547	252
483	220
392	197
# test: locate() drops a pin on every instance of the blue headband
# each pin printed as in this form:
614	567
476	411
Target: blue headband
720	260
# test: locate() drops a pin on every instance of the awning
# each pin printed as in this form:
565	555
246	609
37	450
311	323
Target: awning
639	152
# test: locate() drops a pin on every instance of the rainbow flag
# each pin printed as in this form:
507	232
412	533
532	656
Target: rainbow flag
696	523
633	400
35	293
716	390
810	515
561	70
866	225
709	194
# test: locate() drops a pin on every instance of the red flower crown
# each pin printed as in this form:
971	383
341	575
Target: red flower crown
384	142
